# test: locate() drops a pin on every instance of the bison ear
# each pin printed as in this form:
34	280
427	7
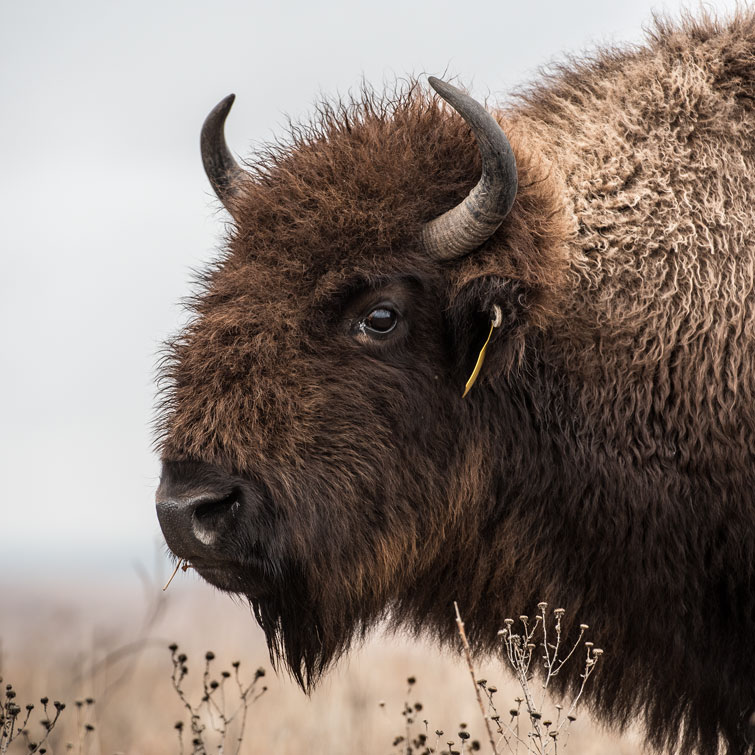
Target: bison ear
488	312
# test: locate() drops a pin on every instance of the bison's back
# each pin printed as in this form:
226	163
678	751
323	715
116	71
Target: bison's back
647	386
656	147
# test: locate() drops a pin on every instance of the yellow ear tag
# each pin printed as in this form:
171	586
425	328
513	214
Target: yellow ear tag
495	322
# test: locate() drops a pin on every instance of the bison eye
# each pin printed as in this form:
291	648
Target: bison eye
381	320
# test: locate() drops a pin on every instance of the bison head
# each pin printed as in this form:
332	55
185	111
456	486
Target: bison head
318	456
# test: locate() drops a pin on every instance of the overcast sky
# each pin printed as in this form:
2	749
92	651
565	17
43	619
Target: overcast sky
105	208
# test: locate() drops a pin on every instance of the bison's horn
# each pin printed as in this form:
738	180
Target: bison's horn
225	174
468	225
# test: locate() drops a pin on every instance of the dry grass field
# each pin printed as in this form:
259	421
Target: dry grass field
72	640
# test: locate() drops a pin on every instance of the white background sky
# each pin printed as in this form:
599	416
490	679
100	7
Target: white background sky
105	208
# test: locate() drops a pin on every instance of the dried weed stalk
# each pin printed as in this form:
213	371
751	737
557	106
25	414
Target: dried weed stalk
224	700
419	743
84	725
536	654
15	721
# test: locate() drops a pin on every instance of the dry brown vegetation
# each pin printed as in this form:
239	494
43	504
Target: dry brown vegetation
80	640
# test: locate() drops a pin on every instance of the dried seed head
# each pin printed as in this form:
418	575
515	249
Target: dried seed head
542	605
209	655
559	612
584	627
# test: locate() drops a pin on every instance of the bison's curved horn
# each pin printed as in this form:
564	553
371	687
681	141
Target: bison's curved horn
225	174
468	225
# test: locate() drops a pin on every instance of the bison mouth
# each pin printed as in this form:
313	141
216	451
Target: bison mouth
219	524
234	577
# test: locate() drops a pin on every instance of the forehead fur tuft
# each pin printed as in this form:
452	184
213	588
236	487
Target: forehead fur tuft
350	191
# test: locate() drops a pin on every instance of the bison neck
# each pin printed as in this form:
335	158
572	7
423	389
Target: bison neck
642	531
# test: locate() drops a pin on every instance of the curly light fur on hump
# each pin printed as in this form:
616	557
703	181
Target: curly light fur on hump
604	462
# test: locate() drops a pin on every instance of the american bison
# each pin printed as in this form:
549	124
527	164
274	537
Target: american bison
319	457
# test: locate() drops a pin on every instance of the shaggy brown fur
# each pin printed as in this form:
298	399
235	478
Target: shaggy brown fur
605	462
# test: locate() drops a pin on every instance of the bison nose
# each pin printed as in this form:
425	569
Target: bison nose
200	517
195	508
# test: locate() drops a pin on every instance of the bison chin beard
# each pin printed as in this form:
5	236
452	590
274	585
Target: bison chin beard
304	635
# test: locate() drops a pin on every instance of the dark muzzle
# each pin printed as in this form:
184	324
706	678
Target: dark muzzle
199	509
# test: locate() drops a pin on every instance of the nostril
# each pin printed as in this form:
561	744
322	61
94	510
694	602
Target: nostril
210	512
209	515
